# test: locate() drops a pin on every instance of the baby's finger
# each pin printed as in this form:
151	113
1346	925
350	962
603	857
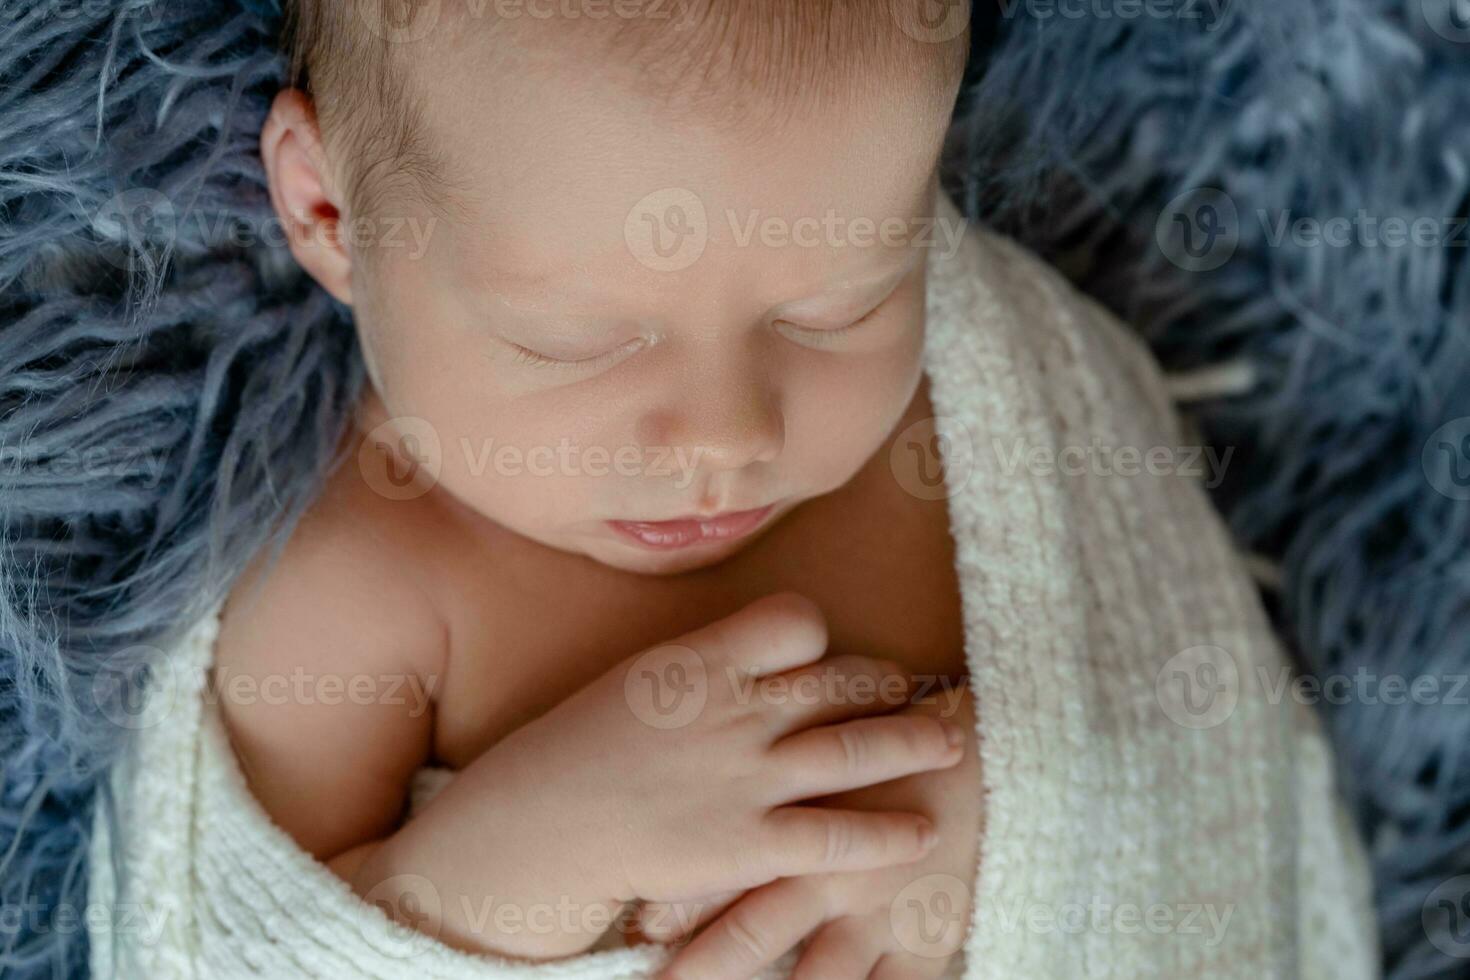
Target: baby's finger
834	689
864	752
671	922
896	966
812	840
753	933
844	949
774	633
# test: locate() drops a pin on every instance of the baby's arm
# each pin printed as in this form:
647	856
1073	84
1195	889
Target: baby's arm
323	668
584	809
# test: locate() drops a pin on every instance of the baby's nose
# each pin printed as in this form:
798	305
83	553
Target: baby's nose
721	425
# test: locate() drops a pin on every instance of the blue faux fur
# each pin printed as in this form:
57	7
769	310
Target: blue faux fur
210	380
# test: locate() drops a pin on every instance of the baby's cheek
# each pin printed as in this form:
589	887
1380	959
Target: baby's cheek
837	418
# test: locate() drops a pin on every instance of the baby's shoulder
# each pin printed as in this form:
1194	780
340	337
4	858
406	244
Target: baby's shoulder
344	592
327	663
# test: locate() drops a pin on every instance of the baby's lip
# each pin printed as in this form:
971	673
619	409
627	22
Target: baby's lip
682	532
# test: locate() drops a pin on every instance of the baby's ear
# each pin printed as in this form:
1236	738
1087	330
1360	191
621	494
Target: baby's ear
302	193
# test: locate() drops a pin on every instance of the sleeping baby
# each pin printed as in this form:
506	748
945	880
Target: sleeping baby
685	490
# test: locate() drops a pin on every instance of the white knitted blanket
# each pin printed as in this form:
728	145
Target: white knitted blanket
1157	803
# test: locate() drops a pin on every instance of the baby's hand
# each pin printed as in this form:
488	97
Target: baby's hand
673	775
898	923
670	777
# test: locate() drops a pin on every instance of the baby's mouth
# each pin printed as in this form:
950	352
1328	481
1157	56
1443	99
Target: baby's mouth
687	531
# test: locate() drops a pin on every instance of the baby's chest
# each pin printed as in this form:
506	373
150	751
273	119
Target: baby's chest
529	640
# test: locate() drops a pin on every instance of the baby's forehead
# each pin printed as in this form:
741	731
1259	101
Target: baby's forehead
696	53
497	88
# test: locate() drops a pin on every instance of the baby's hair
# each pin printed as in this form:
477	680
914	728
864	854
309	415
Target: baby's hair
750	57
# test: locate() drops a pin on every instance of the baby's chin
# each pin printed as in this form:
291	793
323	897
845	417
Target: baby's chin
628	558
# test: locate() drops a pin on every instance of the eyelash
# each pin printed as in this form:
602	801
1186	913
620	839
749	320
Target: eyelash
524	355
828	335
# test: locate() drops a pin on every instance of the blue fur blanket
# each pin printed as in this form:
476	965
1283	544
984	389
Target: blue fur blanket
1224	174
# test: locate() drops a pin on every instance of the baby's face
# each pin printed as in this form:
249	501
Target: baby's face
645	339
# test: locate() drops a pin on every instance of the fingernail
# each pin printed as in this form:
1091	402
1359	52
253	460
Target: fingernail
928	837
953	734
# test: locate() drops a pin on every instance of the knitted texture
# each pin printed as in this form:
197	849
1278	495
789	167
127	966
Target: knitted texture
1105	798
1100	141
